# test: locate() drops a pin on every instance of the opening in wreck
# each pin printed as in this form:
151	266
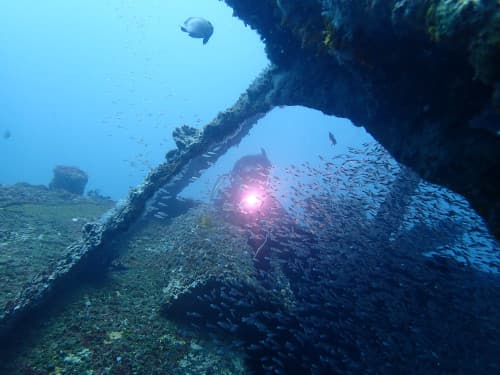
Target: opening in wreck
347	185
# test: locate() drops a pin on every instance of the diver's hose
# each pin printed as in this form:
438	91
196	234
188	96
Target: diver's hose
261	246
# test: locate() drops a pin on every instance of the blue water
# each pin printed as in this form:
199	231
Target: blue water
102	84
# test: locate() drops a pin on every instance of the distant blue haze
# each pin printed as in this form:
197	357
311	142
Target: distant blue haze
102	84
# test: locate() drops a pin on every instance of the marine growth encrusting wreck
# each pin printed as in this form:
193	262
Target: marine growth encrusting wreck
419	76
415	74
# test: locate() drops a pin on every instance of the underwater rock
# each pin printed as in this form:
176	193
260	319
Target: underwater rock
205	253
71	179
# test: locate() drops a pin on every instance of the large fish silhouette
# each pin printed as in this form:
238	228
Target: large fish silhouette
198	27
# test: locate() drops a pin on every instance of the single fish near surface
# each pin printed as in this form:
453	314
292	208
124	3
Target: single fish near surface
198	27
332	139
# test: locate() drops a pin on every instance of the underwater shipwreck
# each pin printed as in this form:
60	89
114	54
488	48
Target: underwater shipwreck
393	269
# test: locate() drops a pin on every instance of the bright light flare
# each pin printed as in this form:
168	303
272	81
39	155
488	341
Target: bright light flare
251	202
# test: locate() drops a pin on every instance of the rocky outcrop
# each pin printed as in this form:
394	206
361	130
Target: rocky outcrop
71	179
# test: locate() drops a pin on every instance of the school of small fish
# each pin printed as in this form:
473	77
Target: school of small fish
359	274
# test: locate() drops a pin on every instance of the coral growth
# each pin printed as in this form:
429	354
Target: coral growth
71	179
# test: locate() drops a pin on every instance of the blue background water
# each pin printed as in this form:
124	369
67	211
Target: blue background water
102	84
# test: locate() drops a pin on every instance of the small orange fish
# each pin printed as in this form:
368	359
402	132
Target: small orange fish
332	139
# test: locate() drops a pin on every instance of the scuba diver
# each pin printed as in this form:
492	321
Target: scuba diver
247	200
